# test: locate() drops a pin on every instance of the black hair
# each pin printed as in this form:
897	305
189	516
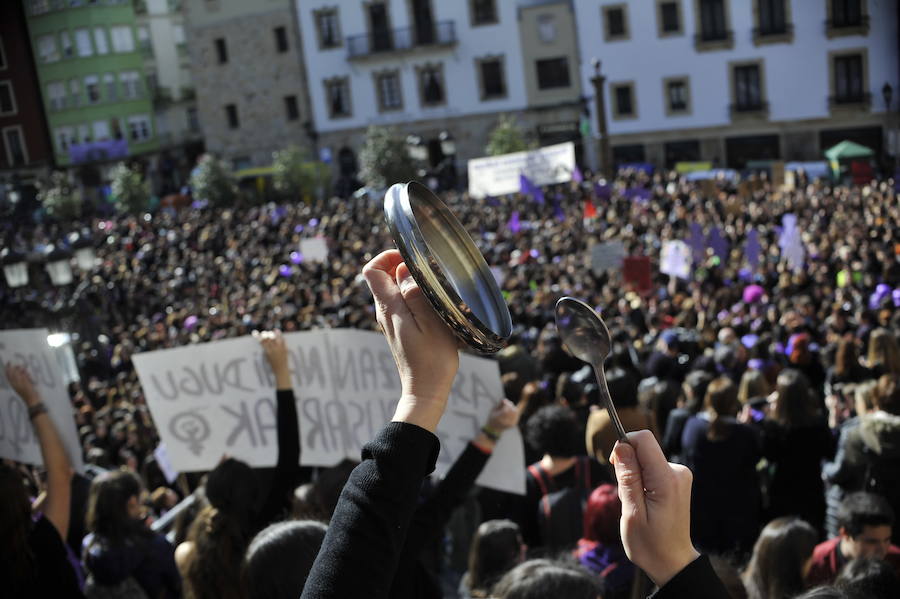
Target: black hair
496	547
776	568
107	513
697	381
19	566
542	578
870	578
623	388
862	509
553	430
279	558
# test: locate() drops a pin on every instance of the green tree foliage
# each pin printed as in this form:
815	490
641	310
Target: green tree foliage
212	181
507	137
131	192
60	198
384	158
295	175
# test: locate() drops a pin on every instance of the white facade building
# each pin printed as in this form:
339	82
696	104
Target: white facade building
740	80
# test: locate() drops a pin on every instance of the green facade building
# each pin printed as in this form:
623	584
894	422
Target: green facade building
91	71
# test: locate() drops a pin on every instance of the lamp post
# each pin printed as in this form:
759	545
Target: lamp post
57	265
448	149
887	92
605	158
85	257
416	148
15	269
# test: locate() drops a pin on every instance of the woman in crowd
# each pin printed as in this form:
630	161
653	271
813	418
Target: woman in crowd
497	548
722	454
781	558
279	558
35	563
600	550
884	353
847	367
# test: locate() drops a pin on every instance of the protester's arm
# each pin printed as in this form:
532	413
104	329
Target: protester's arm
56	460
360	552
285	474
656	514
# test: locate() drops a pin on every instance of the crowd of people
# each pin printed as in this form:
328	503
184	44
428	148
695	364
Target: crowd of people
776	386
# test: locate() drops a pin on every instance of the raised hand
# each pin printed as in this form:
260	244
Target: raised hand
276	353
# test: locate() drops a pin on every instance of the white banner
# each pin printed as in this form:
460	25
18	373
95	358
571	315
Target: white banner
499	175
314	249
219	398
608	255
18	441
675	259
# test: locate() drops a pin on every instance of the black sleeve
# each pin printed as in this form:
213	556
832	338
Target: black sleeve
285	475
671	442
697	580
360	552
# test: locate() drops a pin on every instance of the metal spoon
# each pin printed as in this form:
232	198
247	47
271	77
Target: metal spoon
587	338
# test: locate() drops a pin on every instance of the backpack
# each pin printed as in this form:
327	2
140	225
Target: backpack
560	514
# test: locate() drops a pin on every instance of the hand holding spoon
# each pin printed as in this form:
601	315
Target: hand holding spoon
586	336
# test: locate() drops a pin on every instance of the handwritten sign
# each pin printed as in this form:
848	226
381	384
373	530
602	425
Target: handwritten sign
18	441
216	398
608	255
675	259
499	175
314	249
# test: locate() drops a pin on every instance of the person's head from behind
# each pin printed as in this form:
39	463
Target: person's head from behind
553	431
542	578
721	402
602	514
884	351
114	506
794	405
847	356
866	521
623	388
694	389
15	527
887	394
279	558
231	488
870	578
753	385
496	548
781	559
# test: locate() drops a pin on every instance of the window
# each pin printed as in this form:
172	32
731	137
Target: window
290	108
92	88
431	85
100	40
101	130
772	17
483	12
849	83
193	120
8	98
139	127
74	93
84	134
56	95
747	88
281	40
615	22
47	48
847	13
83	43
677	95
3	62
231	116
546	28
668	18
14	142
623	100
492	77
65	42
122	38
337	95
221	50
65	137
552	72
328	28
131	84
387	88
112	90
712	21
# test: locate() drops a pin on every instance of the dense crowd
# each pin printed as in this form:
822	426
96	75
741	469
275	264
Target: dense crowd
776	383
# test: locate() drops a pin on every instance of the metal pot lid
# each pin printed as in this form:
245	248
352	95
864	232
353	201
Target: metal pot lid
447	265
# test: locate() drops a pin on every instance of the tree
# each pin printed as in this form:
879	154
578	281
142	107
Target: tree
384	158
131	192
507	137
212	181
60	198
295	174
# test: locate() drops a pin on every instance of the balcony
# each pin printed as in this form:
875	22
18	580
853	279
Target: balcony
850	101
401	40
773	34
717	39
847	25
748	109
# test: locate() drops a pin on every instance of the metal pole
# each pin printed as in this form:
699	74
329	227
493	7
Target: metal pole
606	167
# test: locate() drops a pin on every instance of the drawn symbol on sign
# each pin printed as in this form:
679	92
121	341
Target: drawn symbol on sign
191	428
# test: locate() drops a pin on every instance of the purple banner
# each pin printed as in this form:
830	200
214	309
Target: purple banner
98	151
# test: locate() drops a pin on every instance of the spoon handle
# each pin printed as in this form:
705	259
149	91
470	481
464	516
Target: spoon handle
608	404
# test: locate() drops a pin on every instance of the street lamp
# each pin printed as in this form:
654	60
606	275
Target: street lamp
605	158
887	92
84	251
58	265
448	144
15	269
416	148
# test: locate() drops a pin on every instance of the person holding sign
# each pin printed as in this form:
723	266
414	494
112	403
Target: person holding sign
361	550
35	562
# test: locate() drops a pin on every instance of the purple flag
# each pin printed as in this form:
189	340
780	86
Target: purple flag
492	201
513	224
576	175
791	243
557	208
697	243
529	188
752	249
718	244
602	191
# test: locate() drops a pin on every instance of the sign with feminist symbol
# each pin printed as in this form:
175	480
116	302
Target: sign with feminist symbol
18	441
218	398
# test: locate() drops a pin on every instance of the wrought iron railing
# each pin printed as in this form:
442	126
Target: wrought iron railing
407	38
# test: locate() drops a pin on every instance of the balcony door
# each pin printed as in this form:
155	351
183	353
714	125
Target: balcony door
423	22
380	27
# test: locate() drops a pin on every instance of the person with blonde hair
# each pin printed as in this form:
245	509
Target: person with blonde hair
884	353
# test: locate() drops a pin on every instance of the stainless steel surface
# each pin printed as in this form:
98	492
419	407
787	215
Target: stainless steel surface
447	265
587	338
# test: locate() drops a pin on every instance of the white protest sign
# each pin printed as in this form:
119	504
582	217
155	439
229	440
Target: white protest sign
675	259
314	249
499	175
219	397
165	465
18	440
607	256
